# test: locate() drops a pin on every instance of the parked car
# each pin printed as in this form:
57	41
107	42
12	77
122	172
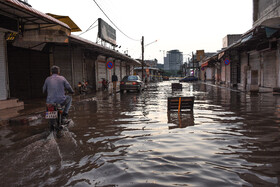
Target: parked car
132	82
188	79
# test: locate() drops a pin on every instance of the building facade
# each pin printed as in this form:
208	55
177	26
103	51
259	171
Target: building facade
29	49
173	61
252	63
151	63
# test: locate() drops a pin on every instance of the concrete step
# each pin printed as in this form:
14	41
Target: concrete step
8	113
10	103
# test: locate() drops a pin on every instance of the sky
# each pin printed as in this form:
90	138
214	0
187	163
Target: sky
186	25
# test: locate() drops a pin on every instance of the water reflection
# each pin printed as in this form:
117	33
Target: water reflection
230	139
182	119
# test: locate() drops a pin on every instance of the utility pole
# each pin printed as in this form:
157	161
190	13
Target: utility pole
193	63
142	44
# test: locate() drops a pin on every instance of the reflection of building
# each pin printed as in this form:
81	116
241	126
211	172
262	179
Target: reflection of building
173	61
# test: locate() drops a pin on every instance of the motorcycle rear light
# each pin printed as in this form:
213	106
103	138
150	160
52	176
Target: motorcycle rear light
50	108
122	82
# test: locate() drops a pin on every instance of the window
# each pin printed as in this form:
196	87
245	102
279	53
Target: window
133	78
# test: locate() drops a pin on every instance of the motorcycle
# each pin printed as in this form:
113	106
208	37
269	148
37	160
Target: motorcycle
54	117
105	84
82	87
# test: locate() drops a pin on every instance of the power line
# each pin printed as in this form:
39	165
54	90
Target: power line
114	23
88	29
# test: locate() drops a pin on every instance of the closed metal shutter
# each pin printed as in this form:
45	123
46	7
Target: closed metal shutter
255	67
123	70
269	69
90	72
78	66
228	73
117	70
255	61
3	68
28	70
61	55
101	73
223	73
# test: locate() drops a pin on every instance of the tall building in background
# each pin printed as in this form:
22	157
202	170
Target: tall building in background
173	61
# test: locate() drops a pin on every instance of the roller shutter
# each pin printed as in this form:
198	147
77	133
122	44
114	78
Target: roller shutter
62	59
269	69
101	73
28	70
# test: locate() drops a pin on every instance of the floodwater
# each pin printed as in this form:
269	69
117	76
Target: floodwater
230	139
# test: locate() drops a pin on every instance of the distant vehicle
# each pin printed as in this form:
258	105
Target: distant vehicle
165	78
132	82
188	79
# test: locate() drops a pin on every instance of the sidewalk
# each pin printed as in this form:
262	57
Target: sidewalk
34	109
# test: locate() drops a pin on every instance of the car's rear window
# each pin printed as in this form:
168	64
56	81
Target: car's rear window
132	78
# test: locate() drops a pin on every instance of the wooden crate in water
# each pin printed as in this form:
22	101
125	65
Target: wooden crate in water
176	86
180	103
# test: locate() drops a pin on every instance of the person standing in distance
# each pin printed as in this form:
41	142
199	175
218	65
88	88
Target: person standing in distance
114	80
55	86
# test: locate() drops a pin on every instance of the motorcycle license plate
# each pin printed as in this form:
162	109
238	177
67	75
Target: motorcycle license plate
51	115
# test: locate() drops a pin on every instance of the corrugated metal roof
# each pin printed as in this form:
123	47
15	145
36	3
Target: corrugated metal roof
19	9
103	50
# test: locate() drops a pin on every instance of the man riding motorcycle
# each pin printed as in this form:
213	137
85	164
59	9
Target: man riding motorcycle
55	86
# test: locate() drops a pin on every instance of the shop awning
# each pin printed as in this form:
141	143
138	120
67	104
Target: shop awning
36	28
204	64
67	20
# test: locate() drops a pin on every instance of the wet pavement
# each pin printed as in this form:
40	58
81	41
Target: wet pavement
231	139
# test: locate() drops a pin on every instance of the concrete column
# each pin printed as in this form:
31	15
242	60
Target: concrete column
121	74
3	68
94	72
278	65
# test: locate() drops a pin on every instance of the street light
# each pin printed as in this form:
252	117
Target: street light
142	47
163	53
150	43
187	61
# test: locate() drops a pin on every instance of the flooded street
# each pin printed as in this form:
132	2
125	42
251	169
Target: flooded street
231	139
